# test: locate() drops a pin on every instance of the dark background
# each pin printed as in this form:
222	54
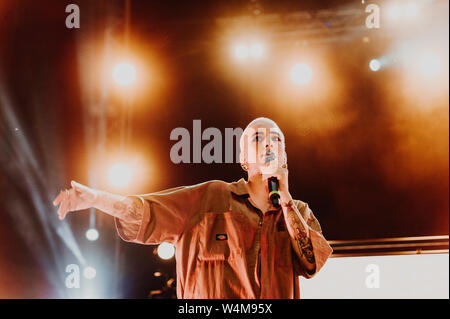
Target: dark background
369	160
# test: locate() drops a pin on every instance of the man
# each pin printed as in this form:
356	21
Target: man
231	241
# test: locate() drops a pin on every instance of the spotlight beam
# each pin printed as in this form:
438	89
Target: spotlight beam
27	170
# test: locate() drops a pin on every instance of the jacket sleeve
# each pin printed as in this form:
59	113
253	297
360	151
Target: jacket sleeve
321	249
164	215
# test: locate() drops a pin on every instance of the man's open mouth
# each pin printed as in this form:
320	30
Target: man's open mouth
269	156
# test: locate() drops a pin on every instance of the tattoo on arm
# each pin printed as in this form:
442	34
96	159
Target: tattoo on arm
306	250
119	206
303	242
128	211
134	208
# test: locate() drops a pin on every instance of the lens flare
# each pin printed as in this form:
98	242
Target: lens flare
301	74
124	74
257	50
120	174
166	251
249	51
89	272
375	65
92	234
241	52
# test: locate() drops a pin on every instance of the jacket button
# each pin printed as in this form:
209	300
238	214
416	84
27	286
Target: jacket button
260	222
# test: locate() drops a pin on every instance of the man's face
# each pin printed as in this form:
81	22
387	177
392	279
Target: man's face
264	146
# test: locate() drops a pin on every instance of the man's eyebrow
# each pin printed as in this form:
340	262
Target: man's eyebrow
272	132
276	133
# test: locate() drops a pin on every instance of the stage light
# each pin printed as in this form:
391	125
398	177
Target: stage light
394	11
124	74
120	174
301	74
166	251
89	272
429	65
257	50
92	234
249	51
241	52
126	170
375	65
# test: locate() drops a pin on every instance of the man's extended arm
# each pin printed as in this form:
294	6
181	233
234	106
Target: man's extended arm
150	218
79	197
126	208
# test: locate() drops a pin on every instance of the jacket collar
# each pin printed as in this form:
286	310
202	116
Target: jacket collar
239	188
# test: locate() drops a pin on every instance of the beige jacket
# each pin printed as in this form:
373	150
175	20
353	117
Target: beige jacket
225	247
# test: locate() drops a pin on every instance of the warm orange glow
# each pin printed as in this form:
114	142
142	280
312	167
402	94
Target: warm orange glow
129	171
305	76
298	81
425	78
119	74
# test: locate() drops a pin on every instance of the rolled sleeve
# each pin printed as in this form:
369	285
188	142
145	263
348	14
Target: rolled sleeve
164	215
321	249
133	231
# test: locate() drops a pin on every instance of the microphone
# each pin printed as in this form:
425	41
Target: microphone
274	195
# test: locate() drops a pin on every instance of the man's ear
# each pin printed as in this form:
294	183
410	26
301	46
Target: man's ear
242	156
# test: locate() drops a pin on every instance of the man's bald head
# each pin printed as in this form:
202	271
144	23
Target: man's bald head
263	125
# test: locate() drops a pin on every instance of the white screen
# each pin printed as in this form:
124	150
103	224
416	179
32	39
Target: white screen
396	276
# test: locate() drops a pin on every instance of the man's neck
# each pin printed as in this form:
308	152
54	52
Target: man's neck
258	191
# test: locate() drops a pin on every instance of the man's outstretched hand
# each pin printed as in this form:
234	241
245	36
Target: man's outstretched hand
77	198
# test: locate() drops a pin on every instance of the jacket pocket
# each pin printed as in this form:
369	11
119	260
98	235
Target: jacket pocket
220	236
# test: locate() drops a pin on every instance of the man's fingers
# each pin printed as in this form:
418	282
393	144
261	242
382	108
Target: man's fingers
58	198
74	185
79	187
63	208
60	211
66	197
